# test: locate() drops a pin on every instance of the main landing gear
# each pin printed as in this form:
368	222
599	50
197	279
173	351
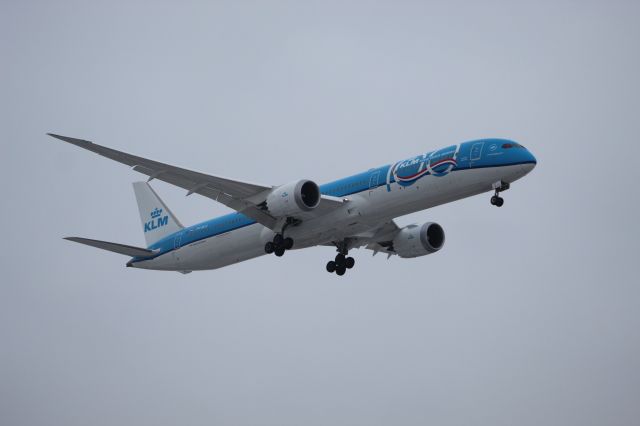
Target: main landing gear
279	245
341	262
499	186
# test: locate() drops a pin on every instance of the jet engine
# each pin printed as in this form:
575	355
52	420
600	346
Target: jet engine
418	240
293	198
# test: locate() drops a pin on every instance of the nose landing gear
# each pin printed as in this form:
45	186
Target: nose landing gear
497	201
499	186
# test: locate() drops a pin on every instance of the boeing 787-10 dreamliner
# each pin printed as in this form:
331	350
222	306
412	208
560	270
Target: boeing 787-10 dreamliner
356	211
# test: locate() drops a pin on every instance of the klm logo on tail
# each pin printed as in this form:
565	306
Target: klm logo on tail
156	220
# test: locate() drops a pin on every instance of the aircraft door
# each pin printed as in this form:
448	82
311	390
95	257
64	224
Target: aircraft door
176	245
476	153
374	181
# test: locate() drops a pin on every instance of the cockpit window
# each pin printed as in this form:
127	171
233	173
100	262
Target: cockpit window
512	145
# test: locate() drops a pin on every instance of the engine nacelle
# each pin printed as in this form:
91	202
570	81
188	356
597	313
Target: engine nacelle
295	197
415	240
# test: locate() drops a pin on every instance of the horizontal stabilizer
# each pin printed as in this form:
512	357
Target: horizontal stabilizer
114	247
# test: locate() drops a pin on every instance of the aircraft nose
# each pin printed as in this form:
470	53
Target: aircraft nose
532	158
530	161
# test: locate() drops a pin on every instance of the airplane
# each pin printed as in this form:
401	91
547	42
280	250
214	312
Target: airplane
353	212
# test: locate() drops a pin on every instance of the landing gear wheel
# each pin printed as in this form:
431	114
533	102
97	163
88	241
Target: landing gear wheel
279	245
497	201
331	266
499	187
349	262
341	262
287	243
269	247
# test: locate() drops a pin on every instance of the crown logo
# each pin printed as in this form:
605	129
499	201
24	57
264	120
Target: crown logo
156	213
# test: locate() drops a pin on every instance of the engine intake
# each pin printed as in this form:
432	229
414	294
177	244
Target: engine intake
292	198
415	240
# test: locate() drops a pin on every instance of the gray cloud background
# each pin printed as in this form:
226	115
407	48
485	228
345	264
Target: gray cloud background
528	316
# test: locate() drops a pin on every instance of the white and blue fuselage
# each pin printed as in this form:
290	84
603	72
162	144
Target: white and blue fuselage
371	198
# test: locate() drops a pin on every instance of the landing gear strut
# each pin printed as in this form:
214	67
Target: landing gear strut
279	245
499	186
341	262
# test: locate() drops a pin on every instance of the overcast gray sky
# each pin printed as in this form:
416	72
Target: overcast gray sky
528	316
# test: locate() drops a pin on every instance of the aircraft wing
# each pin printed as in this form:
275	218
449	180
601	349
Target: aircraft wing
377	239
381	239
240	196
